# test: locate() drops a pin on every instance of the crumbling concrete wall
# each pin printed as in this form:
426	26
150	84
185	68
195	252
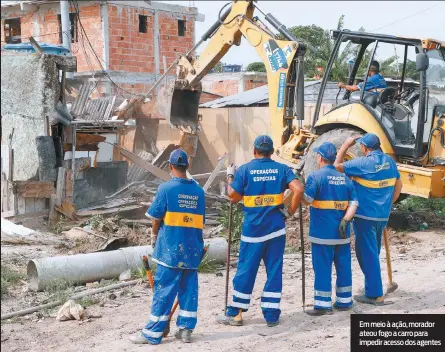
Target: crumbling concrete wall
90	187
29	91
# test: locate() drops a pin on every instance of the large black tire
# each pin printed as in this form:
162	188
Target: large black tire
337	137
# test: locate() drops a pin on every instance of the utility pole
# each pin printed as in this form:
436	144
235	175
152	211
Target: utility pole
66	29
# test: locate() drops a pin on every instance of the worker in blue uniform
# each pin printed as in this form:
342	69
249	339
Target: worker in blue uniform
374	84
378	185
260	184
333	203
177	213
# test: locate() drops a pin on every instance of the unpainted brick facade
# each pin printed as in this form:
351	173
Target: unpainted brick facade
226	84
130	51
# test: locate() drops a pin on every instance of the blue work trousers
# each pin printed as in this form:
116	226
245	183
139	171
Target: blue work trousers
322	258
168	283
271	251
368	243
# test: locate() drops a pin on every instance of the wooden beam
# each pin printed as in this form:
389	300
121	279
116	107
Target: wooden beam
163	175
35	45
34	189
60	188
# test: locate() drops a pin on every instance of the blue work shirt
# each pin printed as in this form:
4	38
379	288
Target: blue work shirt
180	204
262	183
374	177
374	82
330	193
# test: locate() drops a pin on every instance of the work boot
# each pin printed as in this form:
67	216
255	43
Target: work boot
226	320
139	339
379	301
185	335
271	324
318	312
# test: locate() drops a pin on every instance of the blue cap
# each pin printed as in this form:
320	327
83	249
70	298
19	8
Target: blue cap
178	157
327	151
370	140
263	143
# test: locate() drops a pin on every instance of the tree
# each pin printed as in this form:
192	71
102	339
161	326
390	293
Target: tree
257	66
320	50
218	67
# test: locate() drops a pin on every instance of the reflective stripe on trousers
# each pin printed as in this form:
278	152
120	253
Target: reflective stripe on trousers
322	258
271	251
170	282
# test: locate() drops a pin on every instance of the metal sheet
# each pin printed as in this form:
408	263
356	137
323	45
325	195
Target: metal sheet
260	96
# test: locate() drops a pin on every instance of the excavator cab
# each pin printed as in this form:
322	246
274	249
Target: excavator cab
407	112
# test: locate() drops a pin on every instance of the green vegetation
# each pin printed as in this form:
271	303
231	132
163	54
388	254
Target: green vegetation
291	250
237	222
86	302
207	266
95	220
412	203
59	290
9	277
59	226
257	66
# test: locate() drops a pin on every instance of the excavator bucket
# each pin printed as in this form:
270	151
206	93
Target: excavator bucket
177	105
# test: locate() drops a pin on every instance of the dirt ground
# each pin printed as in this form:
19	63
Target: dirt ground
418	264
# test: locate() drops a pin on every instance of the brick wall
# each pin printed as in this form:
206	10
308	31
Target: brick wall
130	50
44	23
250	84
206	97
224	88
170	43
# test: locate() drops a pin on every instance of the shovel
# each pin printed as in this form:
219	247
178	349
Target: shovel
392	286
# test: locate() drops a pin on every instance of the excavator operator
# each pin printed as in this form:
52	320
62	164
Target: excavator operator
374	84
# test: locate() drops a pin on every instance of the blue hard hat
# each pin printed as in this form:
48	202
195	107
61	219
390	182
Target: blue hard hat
370	140
178	157
263	143
327	151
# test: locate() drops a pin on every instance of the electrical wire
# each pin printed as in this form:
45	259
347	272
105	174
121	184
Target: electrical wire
405	18
40	35
76	5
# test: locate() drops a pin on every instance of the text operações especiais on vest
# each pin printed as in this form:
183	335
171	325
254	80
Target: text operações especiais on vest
187	201
270	175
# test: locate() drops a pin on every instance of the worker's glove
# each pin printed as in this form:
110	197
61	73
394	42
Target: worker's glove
343	228
231	169
285	212
154	237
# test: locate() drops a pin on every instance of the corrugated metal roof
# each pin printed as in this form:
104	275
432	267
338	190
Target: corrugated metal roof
260	96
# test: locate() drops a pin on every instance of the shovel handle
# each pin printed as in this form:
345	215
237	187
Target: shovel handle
388	255
148	271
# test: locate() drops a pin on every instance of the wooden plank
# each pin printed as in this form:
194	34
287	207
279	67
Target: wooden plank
21	206
107	211
29	205
60	188
40	204
163	175
52	218
36	46
35	189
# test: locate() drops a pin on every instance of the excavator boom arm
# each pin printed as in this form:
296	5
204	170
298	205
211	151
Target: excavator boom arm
283	60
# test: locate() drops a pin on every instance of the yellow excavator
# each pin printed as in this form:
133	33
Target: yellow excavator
408	116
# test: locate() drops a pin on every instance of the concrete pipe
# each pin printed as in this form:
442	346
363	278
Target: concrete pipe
83	268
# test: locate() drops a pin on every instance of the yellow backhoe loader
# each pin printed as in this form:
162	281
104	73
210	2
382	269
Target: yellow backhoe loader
408	116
